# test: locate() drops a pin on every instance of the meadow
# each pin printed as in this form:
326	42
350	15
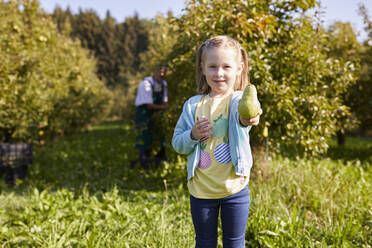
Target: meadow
81	192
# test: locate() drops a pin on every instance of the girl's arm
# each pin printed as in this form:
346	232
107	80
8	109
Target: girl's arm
153	106
182	141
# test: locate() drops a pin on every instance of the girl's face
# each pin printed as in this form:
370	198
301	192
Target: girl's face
220	67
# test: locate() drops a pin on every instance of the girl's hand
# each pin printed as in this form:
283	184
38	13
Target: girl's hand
202	130
251	122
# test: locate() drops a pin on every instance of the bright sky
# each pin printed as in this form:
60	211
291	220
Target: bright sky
335	10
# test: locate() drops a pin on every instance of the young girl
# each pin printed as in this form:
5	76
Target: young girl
216	139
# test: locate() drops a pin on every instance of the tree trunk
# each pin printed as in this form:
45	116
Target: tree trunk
341	138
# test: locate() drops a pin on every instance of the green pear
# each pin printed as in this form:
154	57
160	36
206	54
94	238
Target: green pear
249	106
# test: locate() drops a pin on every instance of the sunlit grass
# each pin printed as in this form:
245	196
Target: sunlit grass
313	203
81	192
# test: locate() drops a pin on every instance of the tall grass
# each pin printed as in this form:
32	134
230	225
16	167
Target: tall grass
81	192
317	203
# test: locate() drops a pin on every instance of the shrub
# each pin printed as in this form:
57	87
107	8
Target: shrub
299	88
47	80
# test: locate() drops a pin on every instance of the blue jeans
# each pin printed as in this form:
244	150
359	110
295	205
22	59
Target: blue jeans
234	217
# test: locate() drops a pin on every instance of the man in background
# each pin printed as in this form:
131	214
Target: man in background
152	96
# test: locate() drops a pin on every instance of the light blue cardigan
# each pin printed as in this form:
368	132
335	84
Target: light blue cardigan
240	149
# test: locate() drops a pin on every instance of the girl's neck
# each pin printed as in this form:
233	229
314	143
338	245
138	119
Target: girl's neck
220	95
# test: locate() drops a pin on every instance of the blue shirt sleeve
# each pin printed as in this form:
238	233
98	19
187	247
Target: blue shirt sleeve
181	141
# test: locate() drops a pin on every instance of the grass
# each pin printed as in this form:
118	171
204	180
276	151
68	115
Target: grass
81	192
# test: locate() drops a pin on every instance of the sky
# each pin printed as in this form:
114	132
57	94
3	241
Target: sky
334	10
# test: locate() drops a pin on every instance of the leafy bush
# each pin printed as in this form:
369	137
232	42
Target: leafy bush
361	94
47	81
299	87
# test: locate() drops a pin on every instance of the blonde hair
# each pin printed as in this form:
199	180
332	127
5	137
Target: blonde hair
241	80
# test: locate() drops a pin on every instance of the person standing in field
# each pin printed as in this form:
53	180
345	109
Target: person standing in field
216	139
152	96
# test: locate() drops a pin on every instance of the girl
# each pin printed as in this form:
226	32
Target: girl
216	139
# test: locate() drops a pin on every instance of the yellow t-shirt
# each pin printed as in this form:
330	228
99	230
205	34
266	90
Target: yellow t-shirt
215	176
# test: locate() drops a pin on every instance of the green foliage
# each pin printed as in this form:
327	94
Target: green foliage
88	28
132	41
299	88
342	45
47	81
105	51
116	46
62	19
161	42
81	192
356	148
361	94
342	42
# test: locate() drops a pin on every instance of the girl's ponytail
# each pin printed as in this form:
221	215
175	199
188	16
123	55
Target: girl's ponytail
243	79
